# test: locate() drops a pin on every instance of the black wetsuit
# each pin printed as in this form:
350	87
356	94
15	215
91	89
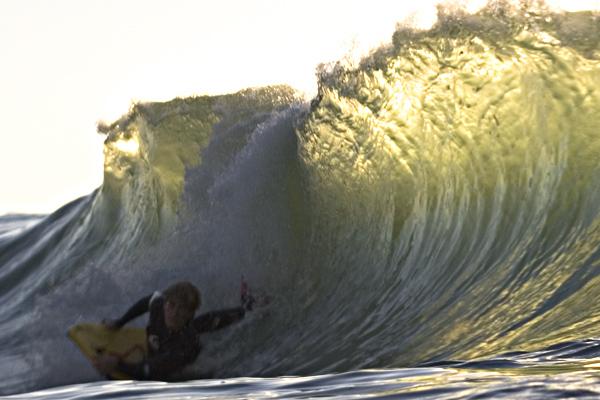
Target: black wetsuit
169	352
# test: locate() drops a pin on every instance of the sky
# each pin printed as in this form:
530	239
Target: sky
66	64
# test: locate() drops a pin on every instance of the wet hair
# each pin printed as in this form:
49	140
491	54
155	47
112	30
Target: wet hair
183	294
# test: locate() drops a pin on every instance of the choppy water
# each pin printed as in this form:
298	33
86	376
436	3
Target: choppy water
437	202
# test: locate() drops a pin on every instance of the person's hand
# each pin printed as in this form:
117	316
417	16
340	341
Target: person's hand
105	363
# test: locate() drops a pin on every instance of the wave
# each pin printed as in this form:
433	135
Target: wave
439	200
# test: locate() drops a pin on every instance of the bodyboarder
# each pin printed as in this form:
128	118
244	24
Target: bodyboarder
172	333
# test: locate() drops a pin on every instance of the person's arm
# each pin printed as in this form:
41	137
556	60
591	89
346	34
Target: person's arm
215	320
139	308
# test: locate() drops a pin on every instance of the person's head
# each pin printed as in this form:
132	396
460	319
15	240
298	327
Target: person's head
181	301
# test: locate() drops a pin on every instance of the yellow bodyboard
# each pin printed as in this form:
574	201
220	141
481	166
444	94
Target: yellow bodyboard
128	344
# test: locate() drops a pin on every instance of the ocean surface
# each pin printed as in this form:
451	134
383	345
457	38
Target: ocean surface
428	226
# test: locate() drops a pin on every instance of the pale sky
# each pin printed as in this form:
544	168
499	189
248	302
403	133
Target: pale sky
65	64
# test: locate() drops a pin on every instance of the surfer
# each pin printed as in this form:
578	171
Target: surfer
172	333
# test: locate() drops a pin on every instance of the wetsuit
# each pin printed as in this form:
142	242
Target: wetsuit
169	352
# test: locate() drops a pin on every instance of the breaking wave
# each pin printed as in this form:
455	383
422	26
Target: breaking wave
438	200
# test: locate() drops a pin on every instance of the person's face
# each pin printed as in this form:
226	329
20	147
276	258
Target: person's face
176	316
